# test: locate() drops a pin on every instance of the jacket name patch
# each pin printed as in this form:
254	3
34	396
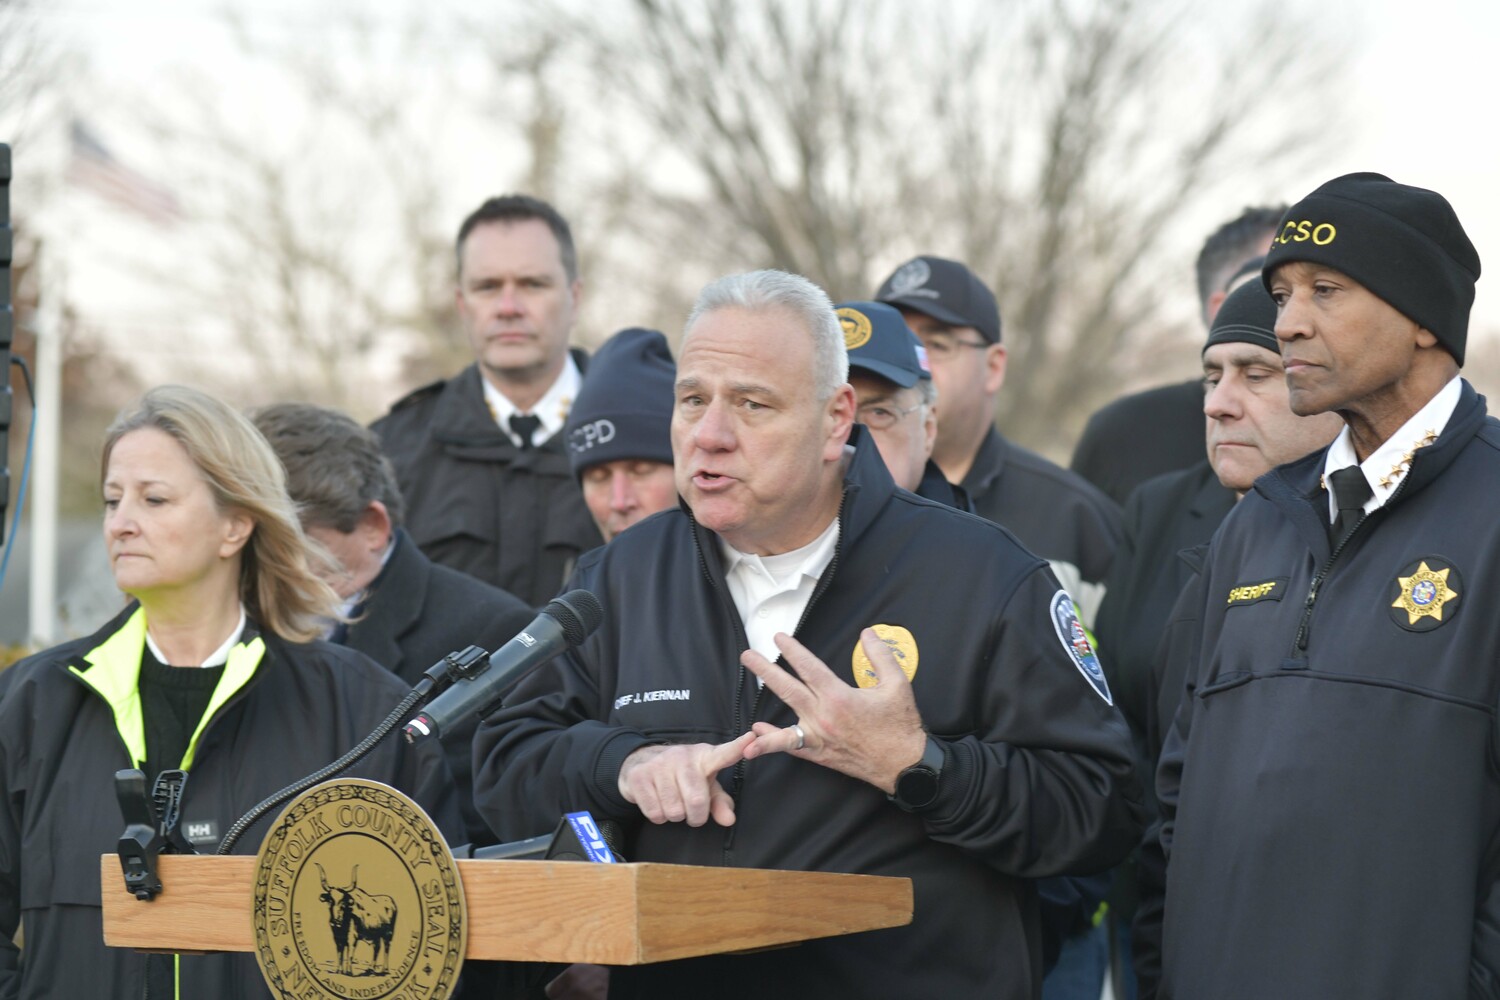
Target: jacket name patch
1254	593
665	694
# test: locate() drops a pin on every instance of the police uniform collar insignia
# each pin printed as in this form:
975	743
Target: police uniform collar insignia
1399	469
1075	642
1426	592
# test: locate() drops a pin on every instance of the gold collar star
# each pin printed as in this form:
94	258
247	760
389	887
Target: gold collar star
1399	469
1424	593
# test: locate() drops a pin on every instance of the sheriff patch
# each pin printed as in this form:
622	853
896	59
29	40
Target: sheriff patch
1425	594
1075	642
1254	593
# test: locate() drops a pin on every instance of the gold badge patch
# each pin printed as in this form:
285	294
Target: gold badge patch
357	895
856	326
1424	591
902	646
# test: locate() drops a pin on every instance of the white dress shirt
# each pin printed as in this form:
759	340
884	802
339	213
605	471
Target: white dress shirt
1428	421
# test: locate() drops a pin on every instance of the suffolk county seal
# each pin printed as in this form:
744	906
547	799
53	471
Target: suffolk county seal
357	897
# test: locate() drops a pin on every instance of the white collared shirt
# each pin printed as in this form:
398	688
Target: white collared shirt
771	592
551	409
217	658
1430	419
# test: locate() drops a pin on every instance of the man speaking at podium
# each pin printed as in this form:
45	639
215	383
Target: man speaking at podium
936	711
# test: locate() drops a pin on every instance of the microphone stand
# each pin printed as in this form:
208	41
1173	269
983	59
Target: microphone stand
450	668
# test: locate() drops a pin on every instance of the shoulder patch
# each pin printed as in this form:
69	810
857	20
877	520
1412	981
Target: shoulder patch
1075	642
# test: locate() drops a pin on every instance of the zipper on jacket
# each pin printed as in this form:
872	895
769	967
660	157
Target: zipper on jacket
1304	628
743	643
824	581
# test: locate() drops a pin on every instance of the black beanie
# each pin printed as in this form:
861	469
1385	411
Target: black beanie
624	407
1405	244
1248	316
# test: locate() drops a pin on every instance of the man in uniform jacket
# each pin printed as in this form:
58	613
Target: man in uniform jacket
405	611
1054	512
986	756
1330	793
479	457
1155	431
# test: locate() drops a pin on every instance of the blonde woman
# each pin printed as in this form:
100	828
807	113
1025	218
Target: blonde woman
213	666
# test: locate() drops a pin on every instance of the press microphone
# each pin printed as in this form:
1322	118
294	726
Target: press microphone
563	623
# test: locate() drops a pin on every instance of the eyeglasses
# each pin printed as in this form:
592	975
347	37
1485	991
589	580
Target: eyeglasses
946	348
882	416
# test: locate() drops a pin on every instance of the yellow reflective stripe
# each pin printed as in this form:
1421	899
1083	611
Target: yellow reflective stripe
240	667
115	672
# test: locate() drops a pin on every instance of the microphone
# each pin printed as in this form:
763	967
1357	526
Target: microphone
564	623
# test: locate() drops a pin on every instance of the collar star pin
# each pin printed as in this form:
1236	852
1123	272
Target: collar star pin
1399	469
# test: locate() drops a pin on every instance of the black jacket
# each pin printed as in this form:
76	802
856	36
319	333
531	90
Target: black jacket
1163	516
417	613
1141	436
303	706
1038	780
474	501
1054	513
1330	789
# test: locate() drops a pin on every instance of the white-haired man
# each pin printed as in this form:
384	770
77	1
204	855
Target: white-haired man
886	739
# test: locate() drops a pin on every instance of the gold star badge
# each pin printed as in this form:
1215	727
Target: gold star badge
1424	593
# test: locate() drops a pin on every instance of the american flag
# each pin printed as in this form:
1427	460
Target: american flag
93	167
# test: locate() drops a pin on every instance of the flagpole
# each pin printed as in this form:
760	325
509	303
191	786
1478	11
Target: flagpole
46	458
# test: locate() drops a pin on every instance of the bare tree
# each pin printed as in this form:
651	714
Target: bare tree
28	60
1056	147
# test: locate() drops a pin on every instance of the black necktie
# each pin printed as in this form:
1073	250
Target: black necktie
1351	490
523	425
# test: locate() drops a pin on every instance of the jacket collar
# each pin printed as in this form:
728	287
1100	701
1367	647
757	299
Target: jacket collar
988	464
461	419
1213	498
935	486
867	489
112	668
1297	489
398	612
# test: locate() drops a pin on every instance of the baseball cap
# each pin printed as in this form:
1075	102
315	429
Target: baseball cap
945	290
880	342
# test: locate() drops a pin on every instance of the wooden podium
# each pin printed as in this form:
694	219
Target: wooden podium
543	911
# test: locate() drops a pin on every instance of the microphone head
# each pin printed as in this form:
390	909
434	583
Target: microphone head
578	612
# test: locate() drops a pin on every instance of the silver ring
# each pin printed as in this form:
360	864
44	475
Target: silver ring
801	737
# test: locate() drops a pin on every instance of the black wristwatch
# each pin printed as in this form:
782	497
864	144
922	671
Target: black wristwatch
917	786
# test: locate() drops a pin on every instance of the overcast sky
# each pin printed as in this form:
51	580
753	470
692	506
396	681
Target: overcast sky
1423	85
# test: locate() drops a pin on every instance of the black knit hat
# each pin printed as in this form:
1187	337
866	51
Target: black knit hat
624	407
1405	244
1248	316
945	290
